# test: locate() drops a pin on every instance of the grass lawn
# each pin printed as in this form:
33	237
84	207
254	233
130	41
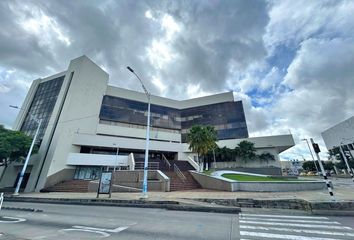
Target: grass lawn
241	177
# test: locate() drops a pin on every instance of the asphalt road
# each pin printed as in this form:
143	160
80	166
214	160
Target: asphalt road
94	222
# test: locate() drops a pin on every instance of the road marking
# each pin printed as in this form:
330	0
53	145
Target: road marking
12	220
296	225
102	231
115	230
288	220
282	236
298	230
86	230
279	216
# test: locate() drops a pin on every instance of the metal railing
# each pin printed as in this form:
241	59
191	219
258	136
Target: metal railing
179	172
166	162
151	166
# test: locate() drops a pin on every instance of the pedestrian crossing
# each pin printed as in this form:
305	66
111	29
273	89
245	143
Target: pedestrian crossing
264	226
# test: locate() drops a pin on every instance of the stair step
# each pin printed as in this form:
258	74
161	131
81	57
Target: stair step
177	184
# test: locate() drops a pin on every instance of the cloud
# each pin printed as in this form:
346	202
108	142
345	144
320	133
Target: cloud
290	62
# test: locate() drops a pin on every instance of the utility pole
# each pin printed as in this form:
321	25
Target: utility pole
39	122
316	149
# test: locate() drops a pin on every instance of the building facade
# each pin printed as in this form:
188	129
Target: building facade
88	124
341	134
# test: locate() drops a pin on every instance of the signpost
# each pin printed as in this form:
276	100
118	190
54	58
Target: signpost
105	184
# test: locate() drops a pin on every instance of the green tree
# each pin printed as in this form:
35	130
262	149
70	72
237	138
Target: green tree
246	150
266	156
309	166
201	140
14	145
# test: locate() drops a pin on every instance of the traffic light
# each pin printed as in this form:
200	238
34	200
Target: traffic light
316	148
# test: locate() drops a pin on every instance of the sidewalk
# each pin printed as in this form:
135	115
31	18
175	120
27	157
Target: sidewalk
343	191
202	198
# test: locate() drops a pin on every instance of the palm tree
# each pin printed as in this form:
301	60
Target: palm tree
246	150
266	156
201	140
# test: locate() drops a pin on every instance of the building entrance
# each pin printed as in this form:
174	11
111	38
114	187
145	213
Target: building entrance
87	173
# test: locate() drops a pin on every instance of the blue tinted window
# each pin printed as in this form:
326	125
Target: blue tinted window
42	106
228	118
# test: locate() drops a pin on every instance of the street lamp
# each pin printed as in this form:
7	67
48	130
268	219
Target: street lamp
39	122
148	95
116	163
314	161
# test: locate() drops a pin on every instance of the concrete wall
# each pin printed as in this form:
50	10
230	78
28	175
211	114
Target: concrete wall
85	159
138	132
76	110
209	182
278	186
157	181
342	133
63	175
194	102
130	143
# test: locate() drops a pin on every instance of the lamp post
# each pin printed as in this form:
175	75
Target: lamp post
314	161
116	162
39	122
148	95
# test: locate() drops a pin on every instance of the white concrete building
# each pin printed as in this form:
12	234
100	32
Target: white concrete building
340	134
86	122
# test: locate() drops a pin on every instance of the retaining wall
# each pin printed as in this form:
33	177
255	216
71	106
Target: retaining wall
209	182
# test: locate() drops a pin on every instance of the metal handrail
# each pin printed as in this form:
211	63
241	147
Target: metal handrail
151	166
179	172
166	161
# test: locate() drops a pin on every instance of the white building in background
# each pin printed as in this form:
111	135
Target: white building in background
86	122
340	134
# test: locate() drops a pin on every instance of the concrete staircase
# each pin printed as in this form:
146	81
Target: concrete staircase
177	184
69	186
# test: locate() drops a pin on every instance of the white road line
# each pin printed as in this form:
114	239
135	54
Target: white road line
287	220
297	230
86	230
12	220
115	230
282	236
280	216
295	225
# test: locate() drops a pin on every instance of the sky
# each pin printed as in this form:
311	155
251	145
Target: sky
290	62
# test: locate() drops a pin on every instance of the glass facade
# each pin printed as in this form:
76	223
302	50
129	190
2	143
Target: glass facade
134	112
42	106
228	118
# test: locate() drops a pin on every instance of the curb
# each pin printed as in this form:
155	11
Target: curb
344	208
168	205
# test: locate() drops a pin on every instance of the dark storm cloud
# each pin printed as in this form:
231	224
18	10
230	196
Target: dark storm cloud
216	34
